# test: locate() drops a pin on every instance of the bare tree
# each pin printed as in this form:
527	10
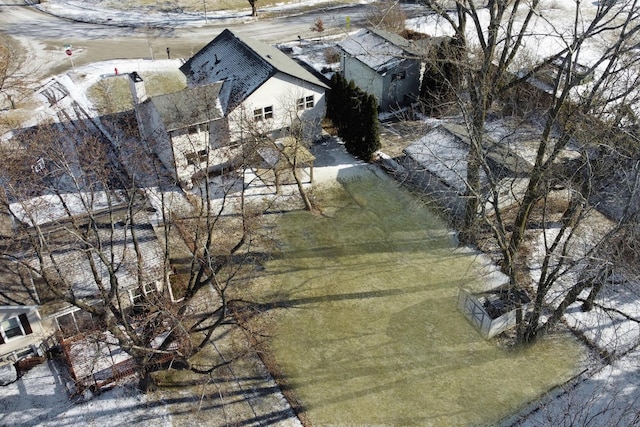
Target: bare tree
13	77
254	7
280	145
573	107
82	230
16	82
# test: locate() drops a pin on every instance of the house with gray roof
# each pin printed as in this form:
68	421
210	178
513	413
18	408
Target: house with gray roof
122	264
239	89
437	163
264	90
186	129
382	64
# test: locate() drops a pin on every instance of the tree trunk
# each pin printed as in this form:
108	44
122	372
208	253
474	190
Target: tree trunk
303	194
596	287
468	234
147	384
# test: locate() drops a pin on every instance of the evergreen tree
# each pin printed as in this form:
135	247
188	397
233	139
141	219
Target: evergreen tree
332	96
355	115
371	140
341	105
351	117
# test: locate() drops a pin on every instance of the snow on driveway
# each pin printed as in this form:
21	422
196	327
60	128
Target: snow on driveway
40	398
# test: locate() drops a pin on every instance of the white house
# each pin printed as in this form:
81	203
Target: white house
183	128
21	326
238	89
125	258
263	87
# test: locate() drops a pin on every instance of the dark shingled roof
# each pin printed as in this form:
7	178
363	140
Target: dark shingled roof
244	63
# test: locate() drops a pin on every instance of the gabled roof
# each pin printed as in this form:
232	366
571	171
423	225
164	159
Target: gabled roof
129	258
378	49
244	63
444	154
191	106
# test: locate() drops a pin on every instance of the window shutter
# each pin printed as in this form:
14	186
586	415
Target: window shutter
25	323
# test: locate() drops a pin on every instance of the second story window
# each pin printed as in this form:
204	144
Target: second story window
305	102
265	113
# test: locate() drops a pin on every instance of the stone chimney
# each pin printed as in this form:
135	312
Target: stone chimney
138	90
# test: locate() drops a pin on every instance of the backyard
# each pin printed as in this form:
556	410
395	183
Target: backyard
365	328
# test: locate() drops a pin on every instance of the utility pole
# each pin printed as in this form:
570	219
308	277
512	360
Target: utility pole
204	6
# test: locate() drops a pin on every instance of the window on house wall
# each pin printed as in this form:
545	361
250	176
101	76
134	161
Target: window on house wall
196	157
309	101
14	327
399	76
305	102
196	129
263	113
137	296
150	287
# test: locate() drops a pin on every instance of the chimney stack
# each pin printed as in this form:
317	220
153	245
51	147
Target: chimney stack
138	90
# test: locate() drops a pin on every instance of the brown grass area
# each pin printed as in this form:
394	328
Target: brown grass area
258	327
113	95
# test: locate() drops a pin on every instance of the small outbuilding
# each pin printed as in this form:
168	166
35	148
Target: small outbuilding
382	64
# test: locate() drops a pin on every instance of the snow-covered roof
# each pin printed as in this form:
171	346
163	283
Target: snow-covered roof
378	49
443	154
119	251
443	151
191	106
244	63
17	288
132	250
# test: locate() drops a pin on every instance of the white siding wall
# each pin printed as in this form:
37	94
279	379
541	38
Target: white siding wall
363	76
18	344
281	92
185	145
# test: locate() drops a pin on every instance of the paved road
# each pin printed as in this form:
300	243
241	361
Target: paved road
44	35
